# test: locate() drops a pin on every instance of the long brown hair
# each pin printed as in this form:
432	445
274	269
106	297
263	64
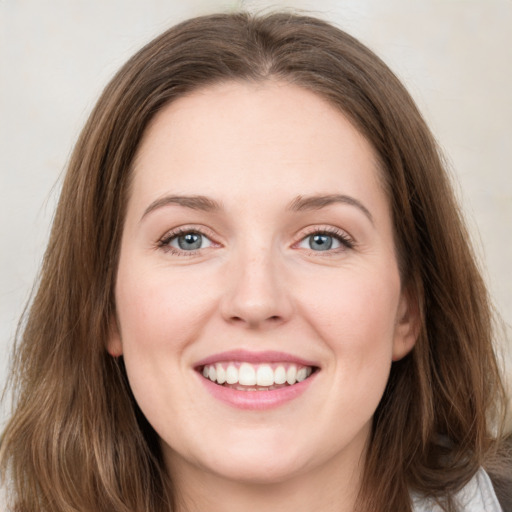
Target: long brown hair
77	440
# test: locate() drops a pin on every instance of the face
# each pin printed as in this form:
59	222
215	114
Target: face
259	303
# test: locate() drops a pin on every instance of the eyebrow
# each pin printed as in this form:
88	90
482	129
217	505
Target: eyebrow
299	204
305	203
201	203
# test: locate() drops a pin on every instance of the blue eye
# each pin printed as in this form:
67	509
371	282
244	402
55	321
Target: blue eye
187	241
322	241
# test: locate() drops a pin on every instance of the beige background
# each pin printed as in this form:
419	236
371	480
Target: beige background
56	55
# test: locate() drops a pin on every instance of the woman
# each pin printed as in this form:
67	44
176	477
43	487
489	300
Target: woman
258	292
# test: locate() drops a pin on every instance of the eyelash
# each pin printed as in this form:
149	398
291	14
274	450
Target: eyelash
343	238
164	242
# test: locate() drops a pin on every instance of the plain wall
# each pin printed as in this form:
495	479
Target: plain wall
455	56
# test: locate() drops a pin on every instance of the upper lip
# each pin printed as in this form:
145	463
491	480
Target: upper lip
267	356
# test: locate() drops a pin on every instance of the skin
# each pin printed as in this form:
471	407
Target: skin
257	284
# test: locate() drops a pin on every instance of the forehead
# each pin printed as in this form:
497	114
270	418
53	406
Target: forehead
251	136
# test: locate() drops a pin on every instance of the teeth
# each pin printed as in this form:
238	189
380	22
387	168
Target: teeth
265	375
221	374
246	375
232	374
291	375
280	375
301	375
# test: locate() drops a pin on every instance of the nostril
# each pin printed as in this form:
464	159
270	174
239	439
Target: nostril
254	322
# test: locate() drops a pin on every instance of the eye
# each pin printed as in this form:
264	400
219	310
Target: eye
185	241
321	241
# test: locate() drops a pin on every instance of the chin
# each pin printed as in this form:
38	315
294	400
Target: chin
273	469
250	459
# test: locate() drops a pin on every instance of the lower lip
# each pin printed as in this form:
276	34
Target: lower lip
257	400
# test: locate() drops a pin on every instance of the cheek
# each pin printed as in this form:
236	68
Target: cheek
159	316
157	308
355	313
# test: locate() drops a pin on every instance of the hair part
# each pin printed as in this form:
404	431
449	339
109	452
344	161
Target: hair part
78	441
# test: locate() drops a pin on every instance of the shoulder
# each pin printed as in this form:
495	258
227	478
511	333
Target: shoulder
477	496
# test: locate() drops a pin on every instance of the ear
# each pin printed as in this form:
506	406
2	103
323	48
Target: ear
408	323
114	344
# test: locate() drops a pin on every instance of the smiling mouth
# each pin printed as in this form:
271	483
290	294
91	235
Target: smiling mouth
244	376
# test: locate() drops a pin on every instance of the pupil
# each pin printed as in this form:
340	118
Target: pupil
320	242
190	241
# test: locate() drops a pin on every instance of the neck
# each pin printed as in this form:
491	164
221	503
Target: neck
332	488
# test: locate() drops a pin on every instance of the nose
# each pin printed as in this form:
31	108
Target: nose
256	295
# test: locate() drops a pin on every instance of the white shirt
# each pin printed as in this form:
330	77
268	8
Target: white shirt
477	496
